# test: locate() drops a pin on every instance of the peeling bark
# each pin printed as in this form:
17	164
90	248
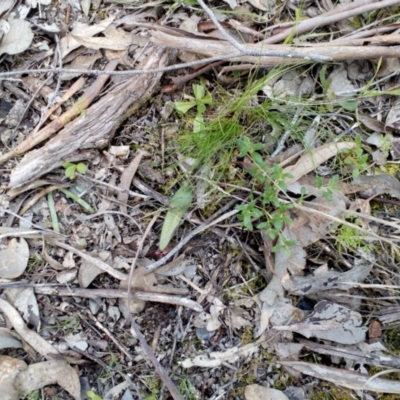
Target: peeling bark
95	127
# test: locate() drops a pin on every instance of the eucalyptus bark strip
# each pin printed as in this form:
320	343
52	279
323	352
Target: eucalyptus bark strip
96	126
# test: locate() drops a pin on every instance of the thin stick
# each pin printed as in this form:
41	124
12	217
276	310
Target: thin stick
135	329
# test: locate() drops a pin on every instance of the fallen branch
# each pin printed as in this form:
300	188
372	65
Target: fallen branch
119	294
339	14
81	105
96	127
222	49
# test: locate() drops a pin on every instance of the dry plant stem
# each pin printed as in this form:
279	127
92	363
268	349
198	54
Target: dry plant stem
201	228
212	47
352	354
32	338
114	188
160	370
95	128
126	180
330	17
258	53
82	104
110	335
114	294
135	329
76	86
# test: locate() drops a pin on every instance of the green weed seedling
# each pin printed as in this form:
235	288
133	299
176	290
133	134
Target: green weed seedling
93	396
272	180
199	100
71	169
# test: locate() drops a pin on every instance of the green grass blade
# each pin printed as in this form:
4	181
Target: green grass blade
78	200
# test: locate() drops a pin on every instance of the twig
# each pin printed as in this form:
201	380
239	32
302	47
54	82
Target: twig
135	329
54	290
258	53
84	101
96	72
336	15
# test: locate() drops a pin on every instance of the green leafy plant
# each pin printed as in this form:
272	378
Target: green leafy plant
200	100
71	169
93	396
187	389
356	158
268	206
348	238
35	395
179	204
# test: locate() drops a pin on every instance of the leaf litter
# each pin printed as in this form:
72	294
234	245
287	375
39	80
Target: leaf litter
323	266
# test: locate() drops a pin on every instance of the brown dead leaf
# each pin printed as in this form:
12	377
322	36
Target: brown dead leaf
314	159
144	281
345	377
33	339
68	43
46	373
14	259
126	180
9	370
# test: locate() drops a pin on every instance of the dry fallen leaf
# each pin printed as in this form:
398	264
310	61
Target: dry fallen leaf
24	300
9	370
18	38
258	392
332	322
346	378
14	259
9	339
46	373
314	159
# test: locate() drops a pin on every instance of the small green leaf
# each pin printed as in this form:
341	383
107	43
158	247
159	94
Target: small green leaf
207	99
179	204
198	123
92	395
184	106
349	105
199	91
81	168
67	164
70	171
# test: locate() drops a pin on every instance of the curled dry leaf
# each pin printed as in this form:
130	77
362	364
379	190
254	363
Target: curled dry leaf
143	281
18	38
306	285
6	5
346	378
9	339
9	370
343	325
68	43
14	259
314	159
31	337
46	373
24	300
